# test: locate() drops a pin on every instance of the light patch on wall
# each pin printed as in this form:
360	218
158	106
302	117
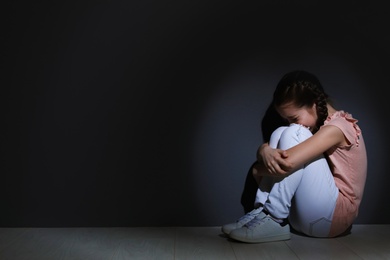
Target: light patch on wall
228	133
227	137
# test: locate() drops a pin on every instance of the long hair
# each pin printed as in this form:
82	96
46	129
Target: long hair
271	120
302	89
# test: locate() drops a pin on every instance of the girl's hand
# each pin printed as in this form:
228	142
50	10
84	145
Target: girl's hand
274	160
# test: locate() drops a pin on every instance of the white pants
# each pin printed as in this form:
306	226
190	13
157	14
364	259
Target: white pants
307	197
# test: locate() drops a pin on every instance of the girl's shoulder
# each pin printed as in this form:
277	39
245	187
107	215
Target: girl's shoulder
347	123
341	114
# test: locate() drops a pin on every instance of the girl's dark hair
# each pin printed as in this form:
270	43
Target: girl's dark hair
302	89
271	120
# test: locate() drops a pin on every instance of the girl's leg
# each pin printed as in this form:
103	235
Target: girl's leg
261	196
266	182
306	197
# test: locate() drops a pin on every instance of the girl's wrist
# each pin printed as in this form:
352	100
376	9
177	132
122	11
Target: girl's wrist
260	151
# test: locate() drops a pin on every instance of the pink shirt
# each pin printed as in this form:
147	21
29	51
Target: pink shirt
349	167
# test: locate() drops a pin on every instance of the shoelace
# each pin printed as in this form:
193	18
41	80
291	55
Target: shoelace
247	217
255	222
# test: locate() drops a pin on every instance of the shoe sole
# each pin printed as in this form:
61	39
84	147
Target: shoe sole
263	239
226	233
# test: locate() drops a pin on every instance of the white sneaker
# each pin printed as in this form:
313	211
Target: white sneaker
263	228
241	221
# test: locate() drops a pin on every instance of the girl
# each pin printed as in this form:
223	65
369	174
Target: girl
311	174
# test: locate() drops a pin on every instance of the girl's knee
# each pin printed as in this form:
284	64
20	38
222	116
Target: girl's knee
293	135
275	137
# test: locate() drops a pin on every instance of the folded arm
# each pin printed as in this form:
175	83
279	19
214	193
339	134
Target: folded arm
277	162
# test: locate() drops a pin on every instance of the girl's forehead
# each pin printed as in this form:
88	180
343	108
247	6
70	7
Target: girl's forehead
288	106
289	110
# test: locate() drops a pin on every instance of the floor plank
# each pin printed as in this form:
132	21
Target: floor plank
146	243
369	241
63	243
273	250
40	244
319	248
9	235
202	243
95	243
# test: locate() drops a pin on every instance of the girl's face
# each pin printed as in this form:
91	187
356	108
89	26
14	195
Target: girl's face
306	116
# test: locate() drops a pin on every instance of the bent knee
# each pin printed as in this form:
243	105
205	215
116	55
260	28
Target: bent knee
293	135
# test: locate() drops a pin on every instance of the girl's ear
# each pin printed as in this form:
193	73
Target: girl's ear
314	109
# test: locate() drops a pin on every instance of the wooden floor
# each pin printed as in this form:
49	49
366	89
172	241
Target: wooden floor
365	242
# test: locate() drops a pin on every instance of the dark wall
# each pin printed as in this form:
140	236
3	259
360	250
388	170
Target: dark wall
147	113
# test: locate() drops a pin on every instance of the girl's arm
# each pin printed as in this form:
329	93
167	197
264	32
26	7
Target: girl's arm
279	162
